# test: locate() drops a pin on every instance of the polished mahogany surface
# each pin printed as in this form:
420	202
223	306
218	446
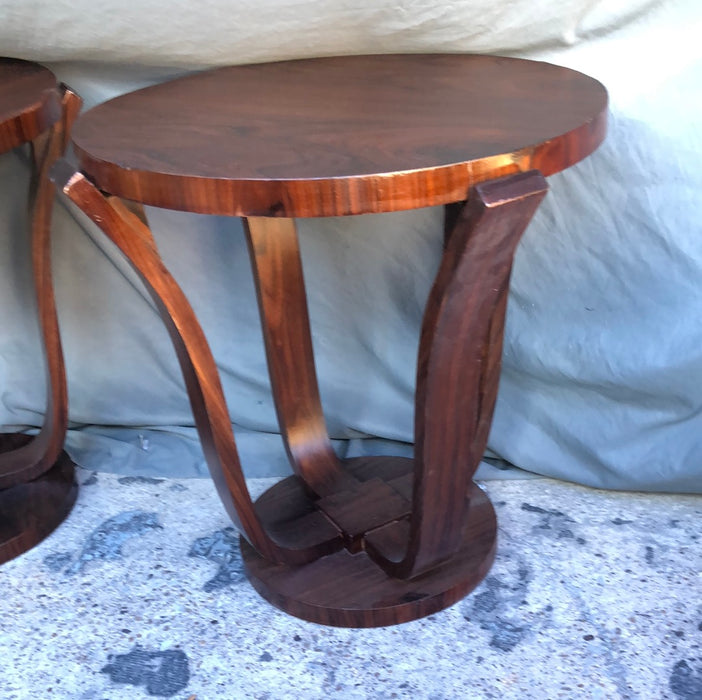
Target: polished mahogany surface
379	540
29	102
335	136
31	510
346	588
376	540
37	488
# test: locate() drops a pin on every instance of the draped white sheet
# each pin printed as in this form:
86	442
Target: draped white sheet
602	379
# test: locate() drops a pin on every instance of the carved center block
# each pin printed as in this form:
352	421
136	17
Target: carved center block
367	506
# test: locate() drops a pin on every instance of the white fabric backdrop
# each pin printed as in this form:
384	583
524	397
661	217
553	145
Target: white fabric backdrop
603	351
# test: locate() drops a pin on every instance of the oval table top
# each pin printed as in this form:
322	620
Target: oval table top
337	136
29	102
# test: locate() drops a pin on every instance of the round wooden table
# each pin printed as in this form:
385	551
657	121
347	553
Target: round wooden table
367	541
37	486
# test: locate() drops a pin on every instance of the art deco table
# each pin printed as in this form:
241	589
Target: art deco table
366	541
37	487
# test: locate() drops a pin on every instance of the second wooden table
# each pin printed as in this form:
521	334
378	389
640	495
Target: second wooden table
37	483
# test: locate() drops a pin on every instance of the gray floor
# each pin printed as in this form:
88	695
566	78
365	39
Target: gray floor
140	594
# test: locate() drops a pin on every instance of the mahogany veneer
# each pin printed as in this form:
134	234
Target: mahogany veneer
31	510
372	541
37	488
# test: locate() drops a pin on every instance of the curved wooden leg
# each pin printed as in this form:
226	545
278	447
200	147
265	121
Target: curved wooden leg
294	532
277	267
37	455
458	371
408	567
37	483
354	499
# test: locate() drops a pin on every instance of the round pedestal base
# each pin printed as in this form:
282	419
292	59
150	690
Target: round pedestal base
350	590
31	511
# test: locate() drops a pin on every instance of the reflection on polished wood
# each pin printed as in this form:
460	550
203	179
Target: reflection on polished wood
31	510
128	232
339	136
275	258
376	540
36	477
347	589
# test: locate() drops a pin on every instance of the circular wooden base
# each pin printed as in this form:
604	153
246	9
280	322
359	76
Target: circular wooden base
31	511
350	590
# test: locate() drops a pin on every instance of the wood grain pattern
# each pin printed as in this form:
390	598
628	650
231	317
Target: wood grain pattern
133	238
376	540
38	455
407	559
280	287
338	136
347	589
404	560
37	485
458	369
32	510
29	102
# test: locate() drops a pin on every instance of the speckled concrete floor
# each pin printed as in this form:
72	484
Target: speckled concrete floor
140	594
